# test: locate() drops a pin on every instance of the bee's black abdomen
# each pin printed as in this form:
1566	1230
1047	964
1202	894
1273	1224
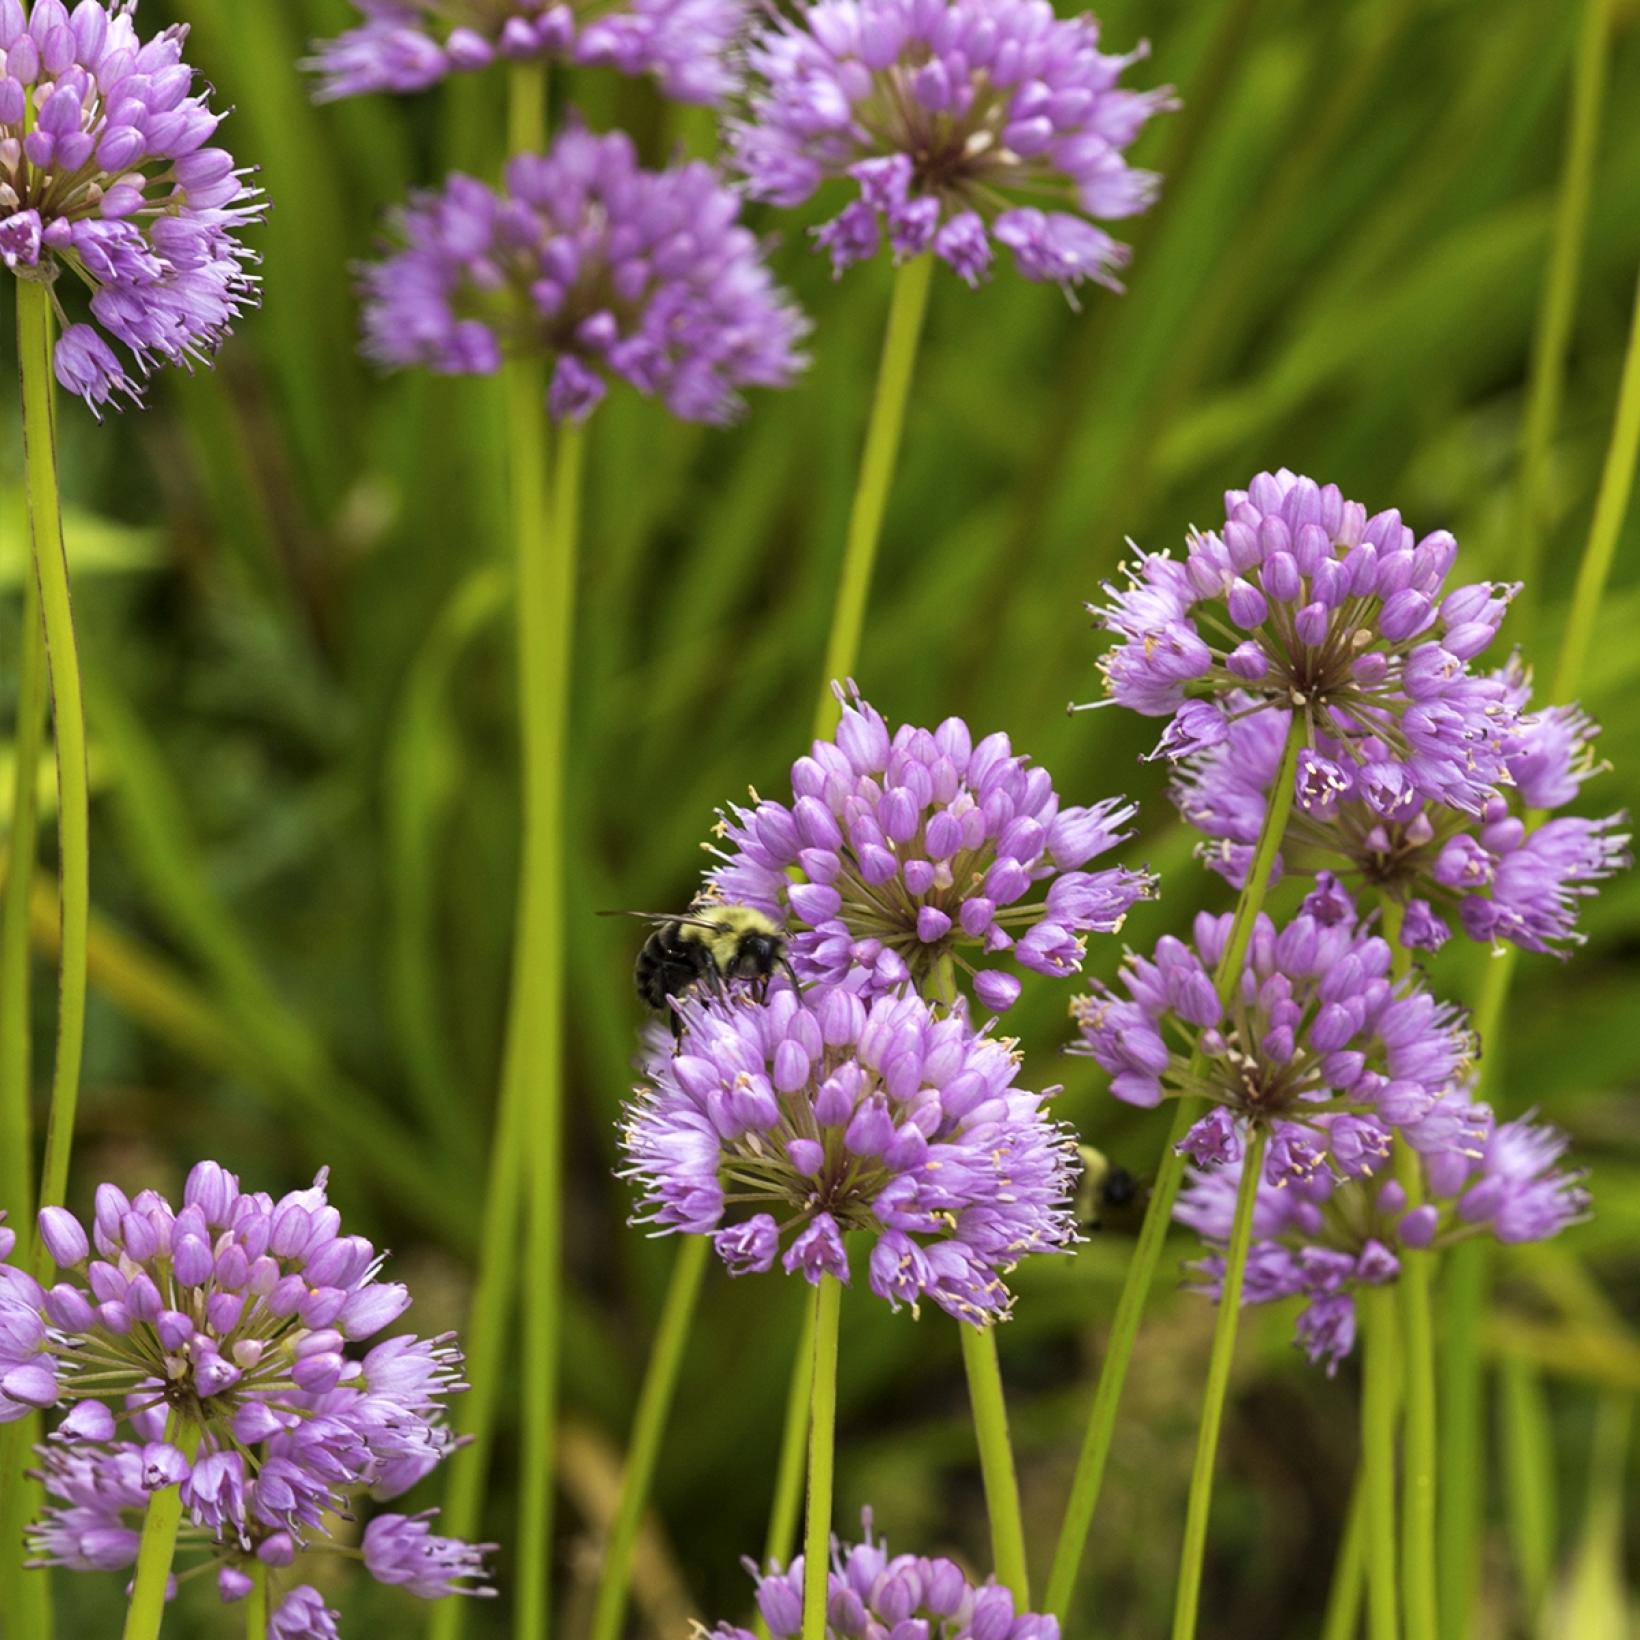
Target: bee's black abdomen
667	966
1119	1188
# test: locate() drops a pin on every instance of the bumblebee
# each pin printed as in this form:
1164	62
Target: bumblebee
707	946
1108	1197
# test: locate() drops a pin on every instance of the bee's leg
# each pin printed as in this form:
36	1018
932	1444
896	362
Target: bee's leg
712	976
790	972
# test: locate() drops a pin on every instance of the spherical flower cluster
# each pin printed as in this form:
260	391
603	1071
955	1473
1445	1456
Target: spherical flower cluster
409	45
872	1594
1504	876
1318	1045
106	172
1303	603
605	269
1322	1237
959	120
785	1122
902	852
218	1335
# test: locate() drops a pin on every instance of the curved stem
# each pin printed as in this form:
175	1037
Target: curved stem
1462	1442
865	526
1147	1252
1555	311
159	1540
1187	1593
996	1460
68	721
828	1304
256	1604
648	1426
1611	503
1378	1397
27	1594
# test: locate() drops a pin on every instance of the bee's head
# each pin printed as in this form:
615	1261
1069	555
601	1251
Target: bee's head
756	954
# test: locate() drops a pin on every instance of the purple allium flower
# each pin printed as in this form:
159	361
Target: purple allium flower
795	1118
1304	603
605	269
917	847
1320	1046
908	1597
106	173
959	120
303	1615
403	1550
1506	878
235	1314
409	45
1323	1237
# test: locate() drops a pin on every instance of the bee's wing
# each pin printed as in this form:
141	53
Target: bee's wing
659	919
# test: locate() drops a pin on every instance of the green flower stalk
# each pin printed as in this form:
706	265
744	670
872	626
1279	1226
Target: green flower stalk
828	1300
28	1595
1090	1467
906	313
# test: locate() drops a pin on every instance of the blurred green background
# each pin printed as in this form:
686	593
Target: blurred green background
292	597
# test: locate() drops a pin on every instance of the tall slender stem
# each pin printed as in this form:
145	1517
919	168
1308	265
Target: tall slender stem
1611	503
26	1594
1557	307
788	1480
484	1337
828	1305
546	571
996	1460
524	387
1378	1398
882	447
1147	1252
1418	1454
16	1121
159	1540
1462	1446
648	1426
1187	1592
256	1604
1342	1618
68	722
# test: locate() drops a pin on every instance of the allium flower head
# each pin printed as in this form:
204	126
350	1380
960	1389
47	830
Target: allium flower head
1304	603
959	120
1504	876
232	1317
409	45
1319	1045
1323	1237
919	847
909	1597
605	269
783	1123
106	173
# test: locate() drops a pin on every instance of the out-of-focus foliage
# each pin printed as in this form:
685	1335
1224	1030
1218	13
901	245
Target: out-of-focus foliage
293	606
